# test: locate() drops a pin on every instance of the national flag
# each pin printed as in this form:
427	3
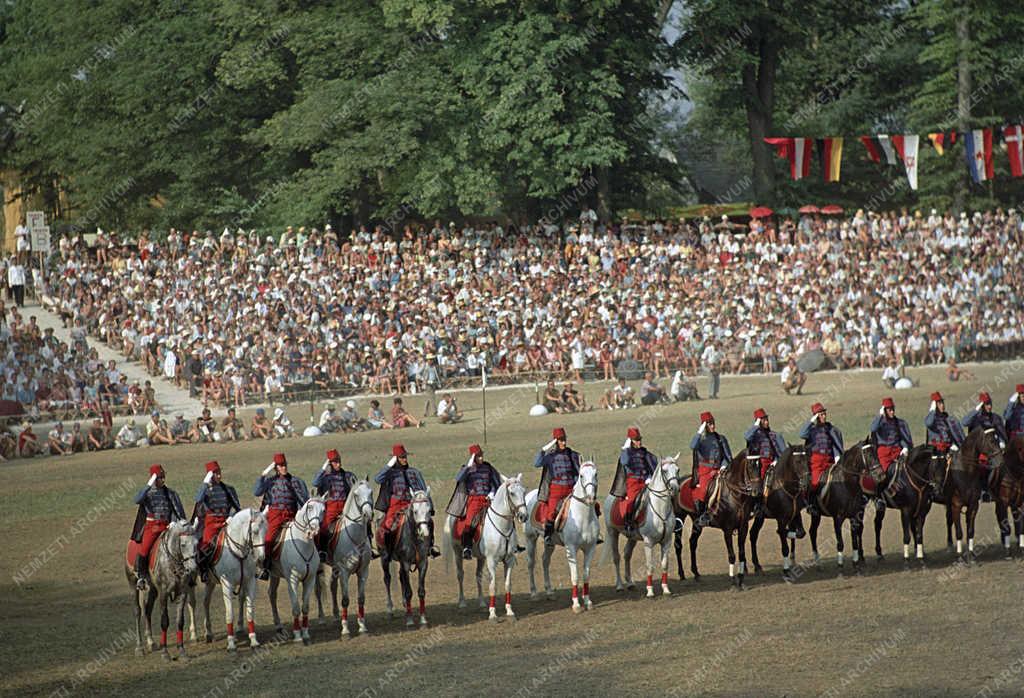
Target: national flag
978	151
830	154
879	147
906	148
942	140
1014	138
797	151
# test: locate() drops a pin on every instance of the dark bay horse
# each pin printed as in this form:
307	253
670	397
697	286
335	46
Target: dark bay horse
785	489
1009	494
961	488
737	486
909	490
842	499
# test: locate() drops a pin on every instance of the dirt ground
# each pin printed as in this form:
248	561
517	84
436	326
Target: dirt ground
66	625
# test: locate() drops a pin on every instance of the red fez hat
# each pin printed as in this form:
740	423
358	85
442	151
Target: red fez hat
706	417
760	413
984	397
398	450
279	459
1020	387
156	469
937	396
476	450
887	402
212	467
633	433
333	455
817	407
558	433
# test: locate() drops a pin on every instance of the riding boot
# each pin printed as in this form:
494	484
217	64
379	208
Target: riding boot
142	572
549	530
434	552
374	553
702	518
467	545
268	562
204	564
758	509
937	477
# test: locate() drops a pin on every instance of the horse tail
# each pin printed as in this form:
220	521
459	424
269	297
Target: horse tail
606	549
446	543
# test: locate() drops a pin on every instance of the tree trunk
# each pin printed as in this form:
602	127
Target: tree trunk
963	96
759	99
603	208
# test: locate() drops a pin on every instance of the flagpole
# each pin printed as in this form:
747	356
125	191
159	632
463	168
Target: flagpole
483	391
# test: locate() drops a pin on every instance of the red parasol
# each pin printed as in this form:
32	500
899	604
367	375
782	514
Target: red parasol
831	209
809	208
761	212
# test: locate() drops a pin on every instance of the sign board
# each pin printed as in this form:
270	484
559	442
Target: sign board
40	238
35	219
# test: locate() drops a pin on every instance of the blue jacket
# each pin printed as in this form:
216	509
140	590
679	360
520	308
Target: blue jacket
891	432
941	427
764	442
977	419
713	448
822	438
265	488
1013	416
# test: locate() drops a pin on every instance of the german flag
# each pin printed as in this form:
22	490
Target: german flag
942	140
830	154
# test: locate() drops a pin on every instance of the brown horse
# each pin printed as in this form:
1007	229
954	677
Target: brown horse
729	509
841	498
1009	494
962	481
909	490
785	490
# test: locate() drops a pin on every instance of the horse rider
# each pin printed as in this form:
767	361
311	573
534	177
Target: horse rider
158	503
711	454
397	482
1013	415
334	483
475	485
943	434
764	444
215	502
982	417
891	436
283	494
560	470
825	444
632	473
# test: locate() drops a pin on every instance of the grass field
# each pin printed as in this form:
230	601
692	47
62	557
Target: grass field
947	630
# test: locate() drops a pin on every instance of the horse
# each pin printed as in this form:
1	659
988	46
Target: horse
656	498
497	543
1009	494
961	485
784	491
582	530
909	490
350	555
841	498
411	552
240	559
737	487
172	567
297	563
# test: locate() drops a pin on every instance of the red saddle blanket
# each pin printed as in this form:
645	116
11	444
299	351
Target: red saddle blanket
132	552
619	512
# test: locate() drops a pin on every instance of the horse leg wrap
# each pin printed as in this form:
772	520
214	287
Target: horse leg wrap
163	638
180	637
344	615
586	588
408	608
575	591
508	598
423	606
490	603
231	629
650	580
361	612
251	627
295	623
664	578
305	621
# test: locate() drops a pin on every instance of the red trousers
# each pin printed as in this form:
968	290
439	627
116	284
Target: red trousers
634	487
276	518
887	455
765	462
395	507
150	533
475	504
332	510
556	494
705	474
820	463
211	527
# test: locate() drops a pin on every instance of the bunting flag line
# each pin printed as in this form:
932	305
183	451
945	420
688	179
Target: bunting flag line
830	155
942	140
879	147
797	151
1013	135
906	148
978	152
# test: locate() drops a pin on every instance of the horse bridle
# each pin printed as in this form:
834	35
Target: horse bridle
585	485
175	555
507	537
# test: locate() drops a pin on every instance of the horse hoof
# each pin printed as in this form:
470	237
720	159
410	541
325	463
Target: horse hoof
577	609
880	558
423	622
209	638
140	652
492	619
278	629
307	641
533	597
322	620
166	655
631	586
232	649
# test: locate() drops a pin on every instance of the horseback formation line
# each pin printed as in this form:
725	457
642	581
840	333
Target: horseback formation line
296	538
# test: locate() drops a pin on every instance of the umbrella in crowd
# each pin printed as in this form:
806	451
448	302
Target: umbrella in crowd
832	210
760	212
809	208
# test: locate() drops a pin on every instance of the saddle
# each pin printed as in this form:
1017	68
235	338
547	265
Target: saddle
132	552
560	517
639	511
216	547
274	549
386	540
329	542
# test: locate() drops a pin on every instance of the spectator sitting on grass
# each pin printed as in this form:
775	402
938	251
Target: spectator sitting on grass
553	398
8	444
650	391
400	418
573	400
282	425
447	411
28	442
350	418
58	441
683	389
955	373
129	436
891	374
262	428
375	417
77	438
793	377
204	428
98	438
154	433
181	430
231	427
329	422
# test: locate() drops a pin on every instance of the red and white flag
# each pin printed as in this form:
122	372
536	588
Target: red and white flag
797	151
1014	137
906	148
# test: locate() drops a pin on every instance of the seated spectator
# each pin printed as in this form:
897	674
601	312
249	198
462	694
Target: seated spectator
77	438
204	429
792	377
162	435
553	398
329	421
129	436
375	417
892	373
401	418
282	425
262	428
573	400
625	396
28	442
350	417
8	444
231	427
98	438
955	373
682	388
181	430
650	392
447	411
59	441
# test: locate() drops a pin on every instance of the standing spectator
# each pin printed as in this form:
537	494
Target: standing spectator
16	281
711	358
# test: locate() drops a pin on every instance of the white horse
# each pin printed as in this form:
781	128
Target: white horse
240	560
412	552
582	530
298	564
657	529
351	554
497	543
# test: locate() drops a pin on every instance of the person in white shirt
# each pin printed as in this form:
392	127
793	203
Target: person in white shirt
891	374
129	436
282	425
16	281
329	422
793	377
447	411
